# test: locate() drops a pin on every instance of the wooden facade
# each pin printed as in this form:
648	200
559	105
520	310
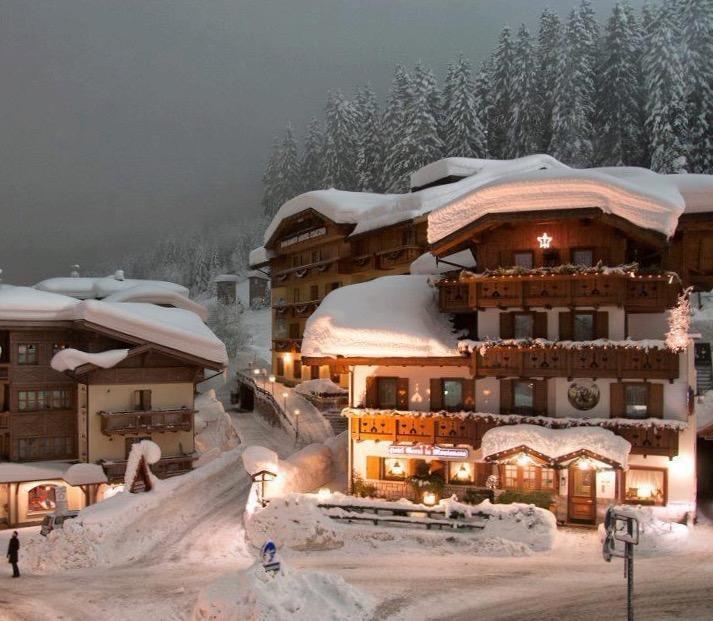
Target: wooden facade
312	256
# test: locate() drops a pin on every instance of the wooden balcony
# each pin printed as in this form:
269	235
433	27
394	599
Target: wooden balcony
166	467
444	430
296	310
395	257
354	265
638	293
295	274
122	423
589	362
287	345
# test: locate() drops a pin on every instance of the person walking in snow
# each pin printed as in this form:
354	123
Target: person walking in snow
13	553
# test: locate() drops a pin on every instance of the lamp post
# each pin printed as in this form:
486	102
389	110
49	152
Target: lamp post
284	402
263	477
297	427
272	385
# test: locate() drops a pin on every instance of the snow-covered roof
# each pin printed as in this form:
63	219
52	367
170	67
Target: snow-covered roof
258	257
427	264
258	458
321	386
69	359
226	278
174	328
351	321
73	474
697	191
556	443
85	288
151	294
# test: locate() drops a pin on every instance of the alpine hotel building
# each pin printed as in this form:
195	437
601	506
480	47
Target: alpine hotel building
535	356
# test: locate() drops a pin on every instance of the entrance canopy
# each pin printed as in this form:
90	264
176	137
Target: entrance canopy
556	445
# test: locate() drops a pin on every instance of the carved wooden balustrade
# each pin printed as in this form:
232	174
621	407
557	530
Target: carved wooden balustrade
121	423
164	468
296	310
642	293
443	430
591	361
287	345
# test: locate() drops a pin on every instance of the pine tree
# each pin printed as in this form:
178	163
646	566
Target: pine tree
270	199
312	165
666	125
501	79
524	130
371	147
421	143
464	134
573	110
619	112
395	123
697	20
281	180
484	100
424	76
341	144
548	48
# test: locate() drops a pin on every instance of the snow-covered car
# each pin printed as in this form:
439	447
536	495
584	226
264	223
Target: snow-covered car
55	521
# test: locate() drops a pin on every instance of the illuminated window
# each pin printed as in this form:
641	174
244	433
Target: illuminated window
27	354
41	499
395	469
529	478
460	473
548	478
511	478
646	486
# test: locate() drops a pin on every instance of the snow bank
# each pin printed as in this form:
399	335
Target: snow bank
146	449
96	288
655	536
84	474
69	359
426	264
291	595
213	426
557	442
258	458
322	386
351	321
128	527
151	294
307	469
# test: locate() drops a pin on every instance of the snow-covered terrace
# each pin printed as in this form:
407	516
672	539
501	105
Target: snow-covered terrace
174	328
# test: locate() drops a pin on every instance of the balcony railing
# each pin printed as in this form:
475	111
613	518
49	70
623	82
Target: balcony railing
296	310
287	345
645	439
592	361
166	467
282	277
121	423
388	259
637	293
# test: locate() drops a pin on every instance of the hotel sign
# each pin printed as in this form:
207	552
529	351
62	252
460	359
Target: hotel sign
429	450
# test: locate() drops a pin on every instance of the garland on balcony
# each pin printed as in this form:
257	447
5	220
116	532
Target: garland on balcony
466	346
517	419
632	270
679	321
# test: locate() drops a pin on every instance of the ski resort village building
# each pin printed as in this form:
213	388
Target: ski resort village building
553	353
82	380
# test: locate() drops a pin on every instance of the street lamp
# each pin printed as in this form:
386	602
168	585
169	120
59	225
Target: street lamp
297	426
284	406
263	477
272	384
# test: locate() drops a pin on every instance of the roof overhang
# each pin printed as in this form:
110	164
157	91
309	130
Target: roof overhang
290	221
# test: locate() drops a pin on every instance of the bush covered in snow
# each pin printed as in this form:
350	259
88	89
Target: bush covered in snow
290	595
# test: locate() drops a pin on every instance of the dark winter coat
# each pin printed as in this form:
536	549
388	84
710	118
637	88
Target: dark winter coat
13	550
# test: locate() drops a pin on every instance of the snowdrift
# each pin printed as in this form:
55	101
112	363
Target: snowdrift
291	595
214	429
656	536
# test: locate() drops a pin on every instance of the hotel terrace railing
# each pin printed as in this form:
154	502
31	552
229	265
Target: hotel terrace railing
645	438
120	423
388	259
296	310
287	345
294	274
635	292
590	361
164	468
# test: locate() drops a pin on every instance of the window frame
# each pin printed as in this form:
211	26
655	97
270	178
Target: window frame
531	316
381	381
457	380
528	252
577	249
638	501
24	359
520	410
647	398
519	478
593	316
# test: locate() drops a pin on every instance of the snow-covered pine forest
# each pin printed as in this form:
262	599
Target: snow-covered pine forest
624	89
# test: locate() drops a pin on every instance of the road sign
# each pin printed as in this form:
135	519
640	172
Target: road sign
268	554
625	528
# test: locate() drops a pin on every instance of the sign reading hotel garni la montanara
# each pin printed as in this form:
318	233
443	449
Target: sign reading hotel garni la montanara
429	450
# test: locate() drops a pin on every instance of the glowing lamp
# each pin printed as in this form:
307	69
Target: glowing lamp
287	357
462	474
429	498
272	378
523	459
284	395
324	493
585	463
256	371
645	491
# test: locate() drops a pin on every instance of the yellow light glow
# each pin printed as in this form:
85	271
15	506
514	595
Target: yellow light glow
272	378
324	493
397	469
429	498
585	464
523	459
645	491
545	240
287	357
487	392
463	473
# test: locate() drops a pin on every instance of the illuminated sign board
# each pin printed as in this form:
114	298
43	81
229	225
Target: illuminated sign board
429	450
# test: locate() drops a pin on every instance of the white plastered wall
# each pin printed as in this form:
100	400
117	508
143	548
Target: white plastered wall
120	397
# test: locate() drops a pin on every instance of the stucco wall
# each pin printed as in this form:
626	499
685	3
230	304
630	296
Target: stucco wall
120	397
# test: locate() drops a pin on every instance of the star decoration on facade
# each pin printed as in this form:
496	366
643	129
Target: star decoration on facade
545	240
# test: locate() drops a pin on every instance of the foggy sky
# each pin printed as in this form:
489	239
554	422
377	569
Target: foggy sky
122	118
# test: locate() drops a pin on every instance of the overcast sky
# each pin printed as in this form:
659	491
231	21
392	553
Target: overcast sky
120	119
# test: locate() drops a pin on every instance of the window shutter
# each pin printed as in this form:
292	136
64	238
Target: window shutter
566	320
371	392
507	325
506	258
436	394
373	467
402	393
601	325
469	395
146	399
616	400
506	396
137	399
539	402
655	402
540	326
